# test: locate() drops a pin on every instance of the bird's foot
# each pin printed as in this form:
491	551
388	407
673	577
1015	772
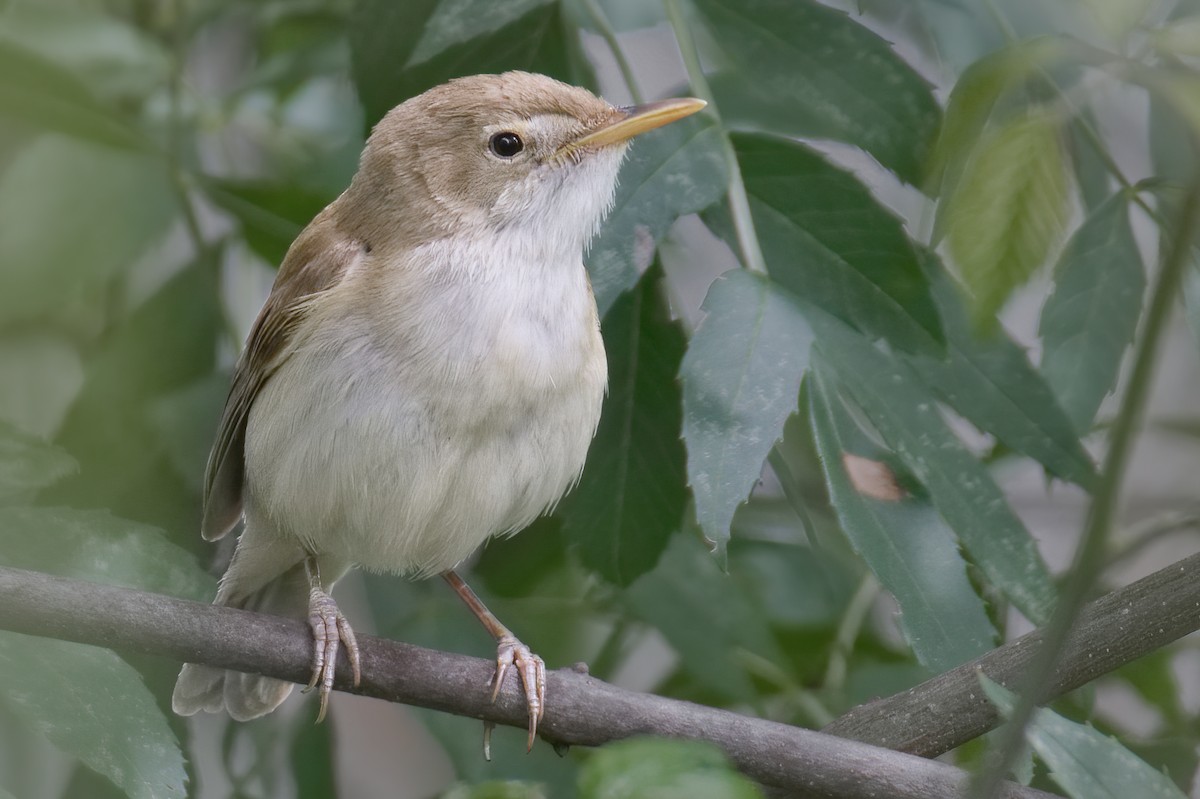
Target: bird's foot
330	630
511	653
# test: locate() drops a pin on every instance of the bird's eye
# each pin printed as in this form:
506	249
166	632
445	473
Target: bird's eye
506	144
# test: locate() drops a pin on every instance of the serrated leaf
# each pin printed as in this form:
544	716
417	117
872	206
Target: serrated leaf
94	545
75	215
93	706
801	69
669	173
905	543
631	496
741	378
28	463
704	616
660	768
1086	763
988	379
1092	315
906	415
827	240
397	54
974	96
1010	210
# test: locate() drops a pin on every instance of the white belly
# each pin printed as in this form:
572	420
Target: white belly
403	446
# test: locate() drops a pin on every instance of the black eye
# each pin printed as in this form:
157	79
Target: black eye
506	144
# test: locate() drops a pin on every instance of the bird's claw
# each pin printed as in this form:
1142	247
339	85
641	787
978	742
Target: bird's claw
330	630
532	672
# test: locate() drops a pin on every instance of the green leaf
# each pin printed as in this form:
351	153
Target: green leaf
496	789
1086	763
904	542
972	100
988	379
741	378
705	617
826	239
27	463
632	496
669	173
662	768
75	215
1091	318
401	49
312	760
97	546
38	92
906	415
1010	209
93	706
43	373
801	69
271	214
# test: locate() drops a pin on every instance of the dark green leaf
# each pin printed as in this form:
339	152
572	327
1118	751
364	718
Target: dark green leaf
904	542
38	92
312	757
93	706
96	546
705	617
27	463
962	489
1086	763
271	215
659	768
799	68
741	378
75	215
1010	208
1092	316
669	173
401	49
988	378
632	496
825	238
165	345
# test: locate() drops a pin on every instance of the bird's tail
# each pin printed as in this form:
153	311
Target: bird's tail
243	696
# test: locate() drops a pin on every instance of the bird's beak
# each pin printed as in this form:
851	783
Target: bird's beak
632	120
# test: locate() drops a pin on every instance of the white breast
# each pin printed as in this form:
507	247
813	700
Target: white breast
429	405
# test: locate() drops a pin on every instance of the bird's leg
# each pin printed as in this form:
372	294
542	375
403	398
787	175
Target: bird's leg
510	652
330	629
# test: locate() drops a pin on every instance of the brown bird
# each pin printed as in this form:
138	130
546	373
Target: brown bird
427	371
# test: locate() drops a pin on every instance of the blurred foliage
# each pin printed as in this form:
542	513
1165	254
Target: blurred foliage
157	157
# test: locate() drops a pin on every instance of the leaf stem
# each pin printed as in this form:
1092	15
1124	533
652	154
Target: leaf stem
600	20
1091	555
848	629
739	202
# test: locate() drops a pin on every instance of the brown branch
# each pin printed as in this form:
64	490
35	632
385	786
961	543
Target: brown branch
580	709
949	709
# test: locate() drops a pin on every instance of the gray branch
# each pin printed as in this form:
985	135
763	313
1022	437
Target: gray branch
580	709
949	709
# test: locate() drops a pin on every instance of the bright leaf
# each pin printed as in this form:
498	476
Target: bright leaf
27	464
631	496
741	379
1010	209
1086	763
905	543
659	768
1093	313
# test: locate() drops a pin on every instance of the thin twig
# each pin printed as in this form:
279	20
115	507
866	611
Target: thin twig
610	38
739	202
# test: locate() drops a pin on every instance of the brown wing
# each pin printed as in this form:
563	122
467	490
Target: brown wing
315	263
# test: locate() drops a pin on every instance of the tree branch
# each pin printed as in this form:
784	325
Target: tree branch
581	710
949	709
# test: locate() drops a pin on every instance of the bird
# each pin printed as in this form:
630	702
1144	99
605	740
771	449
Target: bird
427	371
